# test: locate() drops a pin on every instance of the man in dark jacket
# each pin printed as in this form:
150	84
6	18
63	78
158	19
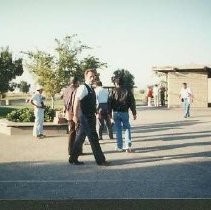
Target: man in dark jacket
120	101
69	98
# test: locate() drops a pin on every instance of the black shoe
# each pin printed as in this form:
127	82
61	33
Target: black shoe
76	162
70	160
106	163
111	136
84	153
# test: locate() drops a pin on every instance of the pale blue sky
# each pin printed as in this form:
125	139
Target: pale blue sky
131	34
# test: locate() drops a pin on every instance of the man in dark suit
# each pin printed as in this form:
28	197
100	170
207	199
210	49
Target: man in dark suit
85	118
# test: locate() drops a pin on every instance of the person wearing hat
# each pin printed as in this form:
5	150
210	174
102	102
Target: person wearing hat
37	102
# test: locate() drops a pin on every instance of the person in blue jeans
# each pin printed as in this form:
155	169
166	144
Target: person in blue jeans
121	100
186	97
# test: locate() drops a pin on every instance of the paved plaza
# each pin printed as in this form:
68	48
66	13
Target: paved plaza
171	159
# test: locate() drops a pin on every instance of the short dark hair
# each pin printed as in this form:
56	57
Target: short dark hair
74	80
119	81
184	83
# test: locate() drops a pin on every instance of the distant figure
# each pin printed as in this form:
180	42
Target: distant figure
120	101
102	110
37	102
162	95
149	96
156	95
186	97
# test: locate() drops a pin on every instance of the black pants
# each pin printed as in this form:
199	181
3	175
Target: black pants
87	128
71	138
104	119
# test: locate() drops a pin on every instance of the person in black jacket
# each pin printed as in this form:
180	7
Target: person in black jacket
121	100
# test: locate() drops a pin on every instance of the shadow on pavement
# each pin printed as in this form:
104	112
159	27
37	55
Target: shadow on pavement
164	126
58	180
180	133
172	137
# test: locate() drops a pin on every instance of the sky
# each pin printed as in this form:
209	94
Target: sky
131	34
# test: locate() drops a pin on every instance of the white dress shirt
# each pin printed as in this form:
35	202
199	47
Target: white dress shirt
186	93
81	92
101	95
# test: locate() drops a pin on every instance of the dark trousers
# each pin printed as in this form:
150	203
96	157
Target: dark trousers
162	100
87	128
105	119
71	138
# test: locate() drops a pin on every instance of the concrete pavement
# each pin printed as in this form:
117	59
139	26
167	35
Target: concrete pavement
171	159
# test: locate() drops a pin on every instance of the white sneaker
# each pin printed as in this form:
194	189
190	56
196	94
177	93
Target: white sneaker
119	149
128	150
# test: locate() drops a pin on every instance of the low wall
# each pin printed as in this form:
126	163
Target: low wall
12	128
12	102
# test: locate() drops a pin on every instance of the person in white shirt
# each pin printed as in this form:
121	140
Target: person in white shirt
102	110
186	97
85	118
37	102
155	94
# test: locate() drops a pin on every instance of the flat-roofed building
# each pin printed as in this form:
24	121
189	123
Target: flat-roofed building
198	78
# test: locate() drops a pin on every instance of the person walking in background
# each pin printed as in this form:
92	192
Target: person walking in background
162	95
186	97
69	98
120	101
156	95
102	110
149	96
85	99
37	101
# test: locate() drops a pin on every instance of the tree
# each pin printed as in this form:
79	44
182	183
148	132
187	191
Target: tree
23	86
9	69
43	66
67	58
128	78
12	86
90	62
53	71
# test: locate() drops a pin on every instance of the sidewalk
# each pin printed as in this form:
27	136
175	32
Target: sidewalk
171	159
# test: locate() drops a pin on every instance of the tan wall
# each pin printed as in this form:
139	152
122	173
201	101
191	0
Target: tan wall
198	83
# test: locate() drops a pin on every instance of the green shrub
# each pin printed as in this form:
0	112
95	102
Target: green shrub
49	114
21	115
5	110
27	115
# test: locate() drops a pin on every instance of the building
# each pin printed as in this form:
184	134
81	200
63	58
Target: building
197	77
